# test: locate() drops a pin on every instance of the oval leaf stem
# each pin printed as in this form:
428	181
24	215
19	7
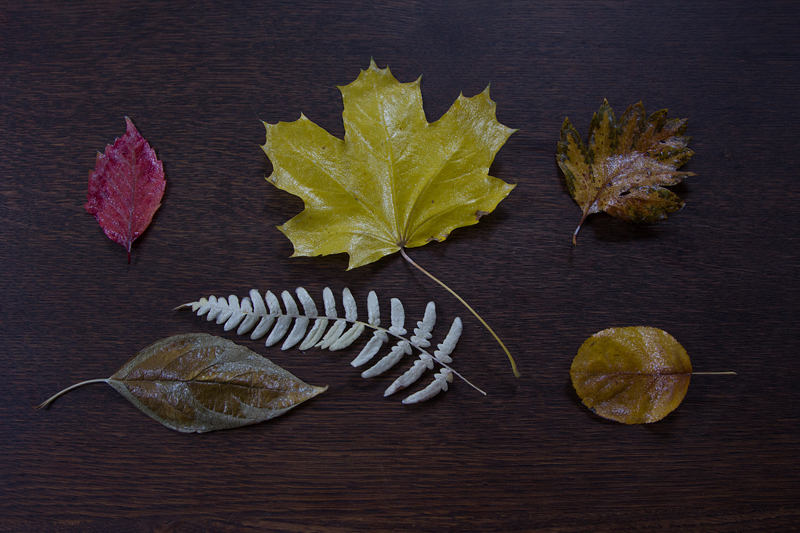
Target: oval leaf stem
81	384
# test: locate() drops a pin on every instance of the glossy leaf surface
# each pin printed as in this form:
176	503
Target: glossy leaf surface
395	180
633	375
626	163
125	188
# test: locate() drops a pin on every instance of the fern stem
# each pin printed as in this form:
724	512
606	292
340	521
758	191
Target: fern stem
417	347
81	384
460	299
462	378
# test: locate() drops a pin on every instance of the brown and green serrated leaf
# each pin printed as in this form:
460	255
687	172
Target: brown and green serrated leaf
200	383
633	375
625	165
395	181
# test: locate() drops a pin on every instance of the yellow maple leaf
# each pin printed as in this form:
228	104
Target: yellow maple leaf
395	181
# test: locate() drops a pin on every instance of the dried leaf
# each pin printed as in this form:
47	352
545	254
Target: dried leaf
199	383
633	375
125	188
395	181
253	315
625	165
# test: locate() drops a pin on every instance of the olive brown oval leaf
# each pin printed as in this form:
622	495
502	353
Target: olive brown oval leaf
625	165
200	383
634	375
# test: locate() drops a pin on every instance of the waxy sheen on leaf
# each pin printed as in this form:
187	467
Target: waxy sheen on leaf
395	181
125	188
199	383
624	166
633	375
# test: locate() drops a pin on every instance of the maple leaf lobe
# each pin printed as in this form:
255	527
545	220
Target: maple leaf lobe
395	180
625	164
126	187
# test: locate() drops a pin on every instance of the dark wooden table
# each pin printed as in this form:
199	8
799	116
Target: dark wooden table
198	77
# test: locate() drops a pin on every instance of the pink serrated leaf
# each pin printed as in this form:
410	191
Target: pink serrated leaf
125	188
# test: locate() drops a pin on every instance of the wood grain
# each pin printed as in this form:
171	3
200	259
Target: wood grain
197	78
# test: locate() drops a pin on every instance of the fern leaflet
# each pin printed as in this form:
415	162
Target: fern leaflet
260	316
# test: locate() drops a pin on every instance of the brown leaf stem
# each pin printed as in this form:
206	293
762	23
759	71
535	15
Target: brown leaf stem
575	234
471	310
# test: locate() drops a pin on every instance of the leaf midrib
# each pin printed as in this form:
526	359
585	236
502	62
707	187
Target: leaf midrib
209	382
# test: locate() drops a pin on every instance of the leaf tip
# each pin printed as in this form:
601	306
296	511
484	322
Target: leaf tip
130	128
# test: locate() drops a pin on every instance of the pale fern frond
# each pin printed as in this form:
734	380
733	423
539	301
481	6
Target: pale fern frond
262	316
398	351
379	336
424	328
425	361
398	318
310	309
440	383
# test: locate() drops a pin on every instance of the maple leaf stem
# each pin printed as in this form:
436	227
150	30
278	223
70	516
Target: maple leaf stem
81	384
471	310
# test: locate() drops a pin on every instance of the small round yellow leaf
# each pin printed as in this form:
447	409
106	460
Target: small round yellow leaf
634	375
